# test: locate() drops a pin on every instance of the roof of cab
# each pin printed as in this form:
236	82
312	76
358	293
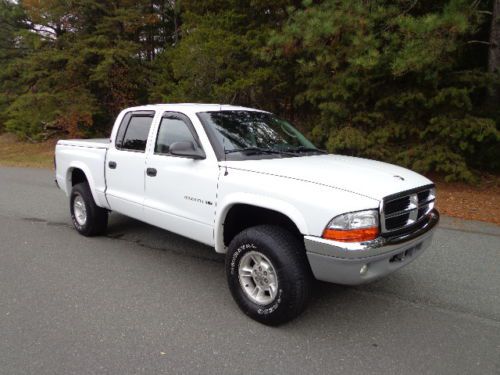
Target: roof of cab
192	107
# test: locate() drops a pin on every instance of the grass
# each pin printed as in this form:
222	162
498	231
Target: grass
21	154
474	202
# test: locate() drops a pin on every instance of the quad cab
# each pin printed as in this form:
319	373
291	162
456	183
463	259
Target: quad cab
253	187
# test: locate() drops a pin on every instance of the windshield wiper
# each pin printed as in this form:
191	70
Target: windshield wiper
306	149
259	150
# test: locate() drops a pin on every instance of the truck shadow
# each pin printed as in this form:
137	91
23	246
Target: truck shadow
127	229
327	299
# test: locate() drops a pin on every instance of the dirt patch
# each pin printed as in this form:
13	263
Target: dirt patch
474	202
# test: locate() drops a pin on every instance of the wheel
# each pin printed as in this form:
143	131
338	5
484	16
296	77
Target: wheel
88	218
268	274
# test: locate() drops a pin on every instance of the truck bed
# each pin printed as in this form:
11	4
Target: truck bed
89	155
88	143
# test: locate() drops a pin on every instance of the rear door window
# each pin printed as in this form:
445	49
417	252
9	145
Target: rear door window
135	135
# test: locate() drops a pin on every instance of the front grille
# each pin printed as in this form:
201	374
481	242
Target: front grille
397	221
404	210
423	195
396	205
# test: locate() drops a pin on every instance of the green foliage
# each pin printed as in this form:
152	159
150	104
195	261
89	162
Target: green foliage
403	81
386	82
218	58
79	63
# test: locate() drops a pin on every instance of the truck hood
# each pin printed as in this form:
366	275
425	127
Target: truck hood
369	178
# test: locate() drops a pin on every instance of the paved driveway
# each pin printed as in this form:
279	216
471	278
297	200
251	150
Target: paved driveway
142	300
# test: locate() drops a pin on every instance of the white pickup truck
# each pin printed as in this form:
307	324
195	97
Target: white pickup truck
252	186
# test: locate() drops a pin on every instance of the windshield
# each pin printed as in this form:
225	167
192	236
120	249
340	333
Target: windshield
251	132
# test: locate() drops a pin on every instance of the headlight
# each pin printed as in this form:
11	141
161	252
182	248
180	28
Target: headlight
353	227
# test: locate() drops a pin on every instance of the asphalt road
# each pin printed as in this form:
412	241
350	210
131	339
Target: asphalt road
142	300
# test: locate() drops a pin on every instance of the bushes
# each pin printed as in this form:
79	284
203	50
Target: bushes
388	82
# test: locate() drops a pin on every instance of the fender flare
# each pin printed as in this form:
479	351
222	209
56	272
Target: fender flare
79	165
277	205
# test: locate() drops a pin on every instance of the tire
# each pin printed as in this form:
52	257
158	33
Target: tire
88	218
289	266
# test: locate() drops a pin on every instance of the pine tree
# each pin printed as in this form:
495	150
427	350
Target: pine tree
410	82
387	83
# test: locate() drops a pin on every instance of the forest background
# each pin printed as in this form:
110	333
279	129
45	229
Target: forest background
416	83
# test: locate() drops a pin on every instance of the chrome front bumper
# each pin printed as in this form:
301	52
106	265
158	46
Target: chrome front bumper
358	263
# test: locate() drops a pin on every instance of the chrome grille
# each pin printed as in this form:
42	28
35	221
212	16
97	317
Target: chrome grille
405	209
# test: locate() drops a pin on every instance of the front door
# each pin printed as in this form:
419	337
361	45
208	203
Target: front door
125	164
180	191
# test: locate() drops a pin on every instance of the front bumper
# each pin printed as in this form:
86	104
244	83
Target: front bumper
357	263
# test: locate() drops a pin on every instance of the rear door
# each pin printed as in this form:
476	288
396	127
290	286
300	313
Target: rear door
125	164
180	192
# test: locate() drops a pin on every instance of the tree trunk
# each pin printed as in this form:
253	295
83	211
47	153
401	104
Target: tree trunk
494	52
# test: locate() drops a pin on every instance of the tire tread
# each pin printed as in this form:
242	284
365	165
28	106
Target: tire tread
294	263
97	217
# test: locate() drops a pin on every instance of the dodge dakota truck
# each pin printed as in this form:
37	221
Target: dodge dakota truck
251	186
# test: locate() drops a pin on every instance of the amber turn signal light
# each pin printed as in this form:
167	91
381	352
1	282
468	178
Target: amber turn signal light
352	235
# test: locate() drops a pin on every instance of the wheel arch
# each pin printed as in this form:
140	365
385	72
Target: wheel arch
254	210
76	173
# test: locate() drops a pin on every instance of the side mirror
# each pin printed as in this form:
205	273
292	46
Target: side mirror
187	150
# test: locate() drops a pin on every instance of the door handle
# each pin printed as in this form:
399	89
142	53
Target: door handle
151	172
112	164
